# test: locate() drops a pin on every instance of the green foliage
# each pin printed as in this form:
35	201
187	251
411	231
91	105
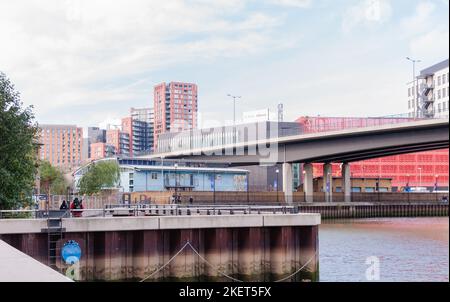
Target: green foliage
101	175
52	179
17	148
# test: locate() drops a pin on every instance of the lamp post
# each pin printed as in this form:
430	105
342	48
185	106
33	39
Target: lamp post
304	185
234	115
436	182
277	171
162	172
234	106
248	183
328	187
420	176
414	82
407	184
176	180
214	186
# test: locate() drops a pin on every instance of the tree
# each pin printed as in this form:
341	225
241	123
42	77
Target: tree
52	179
18	148
100	176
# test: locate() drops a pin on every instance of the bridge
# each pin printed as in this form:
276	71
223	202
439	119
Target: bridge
343	146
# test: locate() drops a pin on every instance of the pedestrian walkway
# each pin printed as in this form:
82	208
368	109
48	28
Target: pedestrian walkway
16	266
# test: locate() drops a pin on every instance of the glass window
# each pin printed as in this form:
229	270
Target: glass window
439	80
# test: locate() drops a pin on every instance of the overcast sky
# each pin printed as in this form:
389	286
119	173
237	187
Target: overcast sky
87	61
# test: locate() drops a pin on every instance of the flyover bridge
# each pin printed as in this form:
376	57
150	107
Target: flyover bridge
342	146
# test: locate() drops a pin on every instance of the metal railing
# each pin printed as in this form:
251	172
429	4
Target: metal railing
114	210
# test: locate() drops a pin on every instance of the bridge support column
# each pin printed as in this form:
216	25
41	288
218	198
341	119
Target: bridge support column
308	187
287	182
327	182
346	182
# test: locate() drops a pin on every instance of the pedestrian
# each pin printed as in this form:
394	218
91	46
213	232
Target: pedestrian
63	205
77	206
191	200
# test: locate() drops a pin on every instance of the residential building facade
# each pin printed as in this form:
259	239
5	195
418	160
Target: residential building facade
101	150
61	145
428	95
150	175
175	107
95	135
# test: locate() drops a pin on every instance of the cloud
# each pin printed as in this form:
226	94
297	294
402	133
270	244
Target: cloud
293	3
432	46
420	21
366	13
428	36
85	52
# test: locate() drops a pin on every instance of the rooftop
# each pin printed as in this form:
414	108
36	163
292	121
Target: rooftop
434	68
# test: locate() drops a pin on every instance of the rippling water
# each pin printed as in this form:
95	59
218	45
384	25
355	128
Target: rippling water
408	249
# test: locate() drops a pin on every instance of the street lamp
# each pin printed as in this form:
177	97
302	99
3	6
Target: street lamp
420	177
162	173
436	183
304	185
414	81
407	184
328	186
176	179
277	171
234	106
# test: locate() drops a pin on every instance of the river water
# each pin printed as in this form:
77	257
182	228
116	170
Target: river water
385	249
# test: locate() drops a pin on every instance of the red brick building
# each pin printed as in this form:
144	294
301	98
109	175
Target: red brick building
175	107
422	169
61	145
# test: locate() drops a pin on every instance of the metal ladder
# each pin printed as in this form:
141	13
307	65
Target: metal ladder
55	234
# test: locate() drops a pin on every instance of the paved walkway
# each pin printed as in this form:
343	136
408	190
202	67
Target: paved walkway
16	266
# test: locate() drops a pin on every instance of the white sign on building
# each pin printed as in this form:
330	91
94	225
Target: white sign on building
259	116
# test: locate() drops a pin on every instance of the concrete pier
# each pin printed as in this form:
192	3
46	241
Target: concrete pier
251	247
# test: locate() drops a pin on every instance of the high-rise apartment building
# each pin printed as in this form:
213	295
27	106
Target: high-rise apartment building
428	95
61	145
101	150
119	140
95	135
175	107
139	126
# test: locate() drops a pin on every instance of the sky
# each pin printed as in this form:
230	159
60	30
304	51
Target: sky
86	62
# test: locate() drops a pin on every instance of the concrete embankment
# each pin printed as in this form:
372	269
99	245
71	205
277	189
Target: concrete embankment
252	247
372	210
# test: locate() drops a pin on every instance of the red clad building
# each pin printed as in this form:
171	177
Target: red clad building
422	169
175	107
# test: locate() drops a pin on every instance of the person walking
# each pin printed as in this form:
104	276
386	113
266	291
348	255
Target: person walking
63	205
191	200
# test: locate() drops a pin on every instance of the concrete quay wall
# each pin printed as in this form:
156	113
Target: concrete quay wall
246	247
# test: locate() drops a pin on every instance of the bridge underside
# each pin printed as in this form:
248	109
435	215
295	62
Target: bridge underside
342	147
335	149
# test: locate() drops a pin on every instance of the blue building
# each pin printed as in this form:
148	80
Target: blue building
138	175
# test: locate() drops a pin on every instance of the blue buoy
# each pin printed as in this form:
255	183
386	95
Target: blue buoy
71	252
